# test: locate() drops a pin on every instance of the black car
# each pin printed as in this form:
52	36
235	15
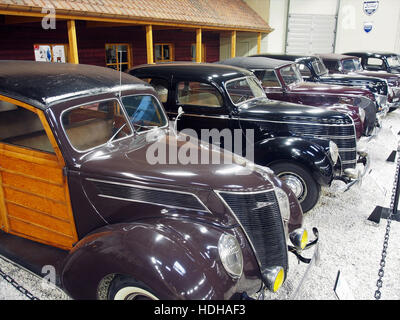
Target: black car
306	146
378	61
313	69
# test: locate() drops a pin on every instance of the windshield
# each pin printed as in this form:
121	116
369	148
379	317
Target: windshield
393	61
291	75
319	67
144	112
244	89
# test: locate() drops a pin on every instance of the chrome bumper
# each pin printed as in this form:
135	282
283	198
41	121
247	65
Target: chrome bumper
355	176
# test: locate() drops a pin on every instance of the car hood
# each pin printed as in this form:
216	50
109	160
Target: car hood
318	89
274	110
393	79
139	160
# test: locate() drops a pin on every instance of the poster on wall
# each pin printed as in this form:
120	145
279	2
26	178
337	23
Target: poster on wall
59	54
42	53
370	6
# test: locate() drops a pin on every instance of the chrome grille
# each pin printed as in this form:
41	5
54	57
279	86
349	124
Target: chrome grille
260	217
343	135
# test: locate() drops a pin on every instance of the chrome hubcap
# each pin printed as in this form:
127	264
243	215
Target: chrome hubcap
295	183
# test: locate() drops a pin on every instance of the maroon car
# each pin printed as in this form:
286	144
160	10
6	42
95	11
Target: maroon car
346	64
282	81
79	191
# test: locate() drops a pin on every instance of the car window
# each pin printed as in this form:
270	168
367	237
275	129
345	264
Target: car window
304	71
161	87
144	112
291	75
393	61
348	65
95	124
244	89
198	94
268	78
319	67
374	62
22	127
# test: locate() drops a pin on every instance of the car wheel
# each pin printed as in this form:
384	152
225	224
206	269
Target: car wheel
127	288
300	181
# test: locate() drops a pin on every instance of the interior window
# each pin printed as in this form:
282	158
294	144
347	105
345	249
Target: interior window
144	112
22	127
161	87
198	94
95	124
163	52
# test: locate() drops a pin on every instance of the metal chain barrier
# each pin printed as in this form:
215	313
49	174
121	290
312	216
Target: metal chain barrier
392	211
17	286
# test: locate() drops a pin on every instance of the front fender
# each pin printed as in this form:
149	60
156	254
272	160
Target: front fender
177	259
303	151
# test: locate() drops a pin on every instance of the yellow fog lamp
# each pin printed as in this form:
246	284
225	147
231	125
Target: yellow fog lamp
274	277
299	238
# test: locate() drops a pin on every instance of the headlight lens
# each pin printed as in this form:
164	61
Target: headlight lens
283	201
334	151
231	255
275	277
361	113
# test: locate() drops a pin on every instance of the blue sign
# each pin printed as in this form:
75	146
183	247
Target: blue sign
368	26
370	6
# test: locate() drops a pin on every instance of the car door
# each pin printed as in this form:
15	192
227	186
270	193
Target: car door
34	195
204	109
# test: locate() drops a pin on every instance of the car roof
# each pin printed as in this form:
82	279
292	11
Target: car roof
219	73
42	84
335	56
289	57
255	62
371	54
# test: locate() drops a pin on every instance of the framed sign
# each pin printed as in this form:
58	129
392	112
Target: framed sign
50	52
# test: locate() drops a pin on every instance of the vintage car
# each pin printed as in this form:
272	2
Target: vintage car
378	61
78	192
351	65
305	146
312	69
282	81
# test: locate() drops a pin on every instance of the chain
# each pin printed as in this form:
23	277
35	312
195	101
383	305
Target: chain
392	211
17	286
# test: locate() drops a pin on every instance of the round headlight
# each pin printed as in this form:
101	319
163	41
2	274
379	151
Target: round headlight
361	113
299	238
283	201
231	255
274	278
334	151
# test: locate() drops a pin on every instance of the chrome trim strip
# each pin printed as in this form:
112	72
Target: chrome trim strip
291	122
151	188
153	203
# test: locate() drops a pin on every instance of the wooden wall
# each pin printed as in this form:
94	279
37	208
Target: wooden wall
16	41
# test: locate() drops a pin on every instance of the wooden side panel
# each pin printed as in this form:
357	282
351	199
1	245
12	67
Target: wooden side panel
35	197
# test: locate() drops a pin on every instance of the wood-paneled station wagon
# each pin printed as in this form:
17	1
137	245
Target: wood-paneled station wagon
339	65
78	192
305	146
